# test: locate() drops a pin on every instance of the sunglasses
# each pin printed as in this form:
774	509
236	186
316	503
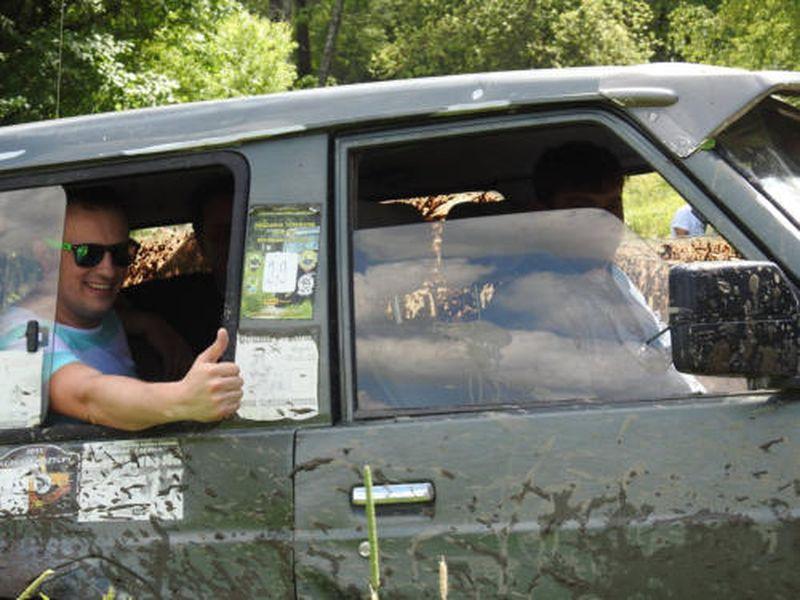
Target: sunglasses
90	255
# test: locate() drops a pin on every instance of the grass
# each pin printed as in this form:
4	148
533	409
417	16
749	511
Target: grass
650	203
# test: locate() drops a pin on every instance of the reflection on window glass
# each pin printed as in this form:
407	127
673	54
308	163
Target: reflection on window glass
398	211
31	223
512	309
165	252
765	146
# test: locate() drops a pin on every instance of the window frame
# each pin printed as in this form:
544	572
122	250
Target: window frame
63	175
345	197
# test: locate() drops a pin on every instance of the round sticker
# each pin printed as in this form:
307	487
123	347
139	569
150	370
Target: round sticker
305	284
308	260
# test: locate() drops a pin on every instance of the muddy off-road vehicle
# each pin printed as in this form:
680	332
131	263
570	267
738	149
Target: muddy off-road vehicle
556	406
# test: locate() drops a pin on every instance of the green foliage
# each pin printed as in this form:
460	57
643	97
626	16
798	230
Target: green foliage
384	39
362	33
650	203
604	32
749	34
243	54
427	37
137	53
372	535
131	54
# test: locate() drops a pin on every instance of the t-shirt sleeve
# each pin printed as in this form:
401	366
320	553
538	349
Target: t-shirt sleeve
62	355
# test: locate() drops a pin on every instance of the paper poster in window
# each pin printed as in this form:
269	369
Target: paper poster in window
280	376
280	264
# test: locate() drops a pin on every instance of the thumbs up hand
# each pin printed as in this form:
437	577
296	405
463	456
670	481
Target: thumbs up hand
211	390
215	351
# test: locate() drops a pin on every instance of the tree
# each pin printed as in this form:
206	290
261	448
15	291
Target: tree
754	35
243	54
47	69
450	36
384	39
330	42
113	55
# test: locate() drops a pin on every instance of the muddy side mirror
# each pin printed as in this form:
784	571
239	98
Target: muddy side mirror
733	318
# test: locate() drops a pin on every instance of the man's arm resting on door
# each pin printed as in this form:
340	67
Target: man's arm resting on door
210	391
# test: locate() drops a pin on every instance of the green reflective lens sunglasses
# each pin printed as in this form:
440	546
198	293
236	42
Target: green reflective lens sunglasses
89	255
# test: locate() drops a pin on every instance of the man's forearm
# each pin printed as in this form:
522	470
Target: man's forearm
210	391
114	400
131	404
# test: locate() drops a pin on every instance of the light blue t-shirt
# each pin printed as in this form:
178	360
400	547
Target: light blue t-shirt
104	347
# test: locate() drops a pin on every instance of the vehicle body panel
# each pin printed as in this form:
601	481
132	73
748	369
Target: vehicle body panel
675	499
709	97
580	499
234	497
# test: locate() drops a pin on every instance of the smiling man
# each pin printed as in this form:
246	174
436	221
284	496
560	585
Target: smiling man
93	375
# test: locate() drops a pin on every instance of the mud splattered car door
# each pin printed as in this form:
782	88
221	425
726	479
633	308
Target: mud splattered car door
609	497
151	517
519	408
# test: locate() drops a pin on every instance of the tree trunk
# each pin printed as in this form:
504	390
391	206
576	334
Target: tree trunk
280	10
302	38
330	42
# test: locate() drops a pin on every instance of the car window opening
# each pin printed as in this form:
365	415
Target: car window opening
532	292
165	288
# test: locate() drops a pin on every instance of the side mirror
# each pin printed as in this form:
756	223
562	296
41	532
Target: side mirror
733	318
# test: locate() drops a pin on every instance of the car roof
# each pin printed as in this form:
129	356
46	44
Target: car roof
681	104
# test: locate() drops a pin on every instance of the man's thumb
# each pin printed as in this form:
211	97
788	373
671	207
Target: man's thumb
213	353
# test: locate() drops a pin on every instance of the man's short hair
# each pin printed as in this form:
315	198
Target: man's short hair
97	197
574	166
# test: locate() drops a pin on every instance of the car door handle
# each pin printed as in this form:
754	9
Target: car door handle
396	493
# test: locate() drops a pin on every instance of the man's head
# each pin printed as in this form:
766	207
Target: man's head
212	226
579	175
86	291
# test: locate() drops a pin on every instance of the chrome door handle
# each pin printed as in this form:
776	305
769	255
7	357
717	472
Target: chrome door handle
396	493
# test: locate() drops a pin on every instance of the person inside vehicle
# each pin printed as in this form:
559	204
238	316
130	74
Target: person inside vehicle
93	377
579	175
192	303
687	222
212	227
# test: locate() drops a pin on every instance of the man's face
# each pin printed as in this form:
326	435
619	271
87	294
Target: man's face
608	197
86	294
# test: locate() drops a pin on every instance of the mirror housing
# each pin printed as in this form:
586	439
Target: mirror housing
733	318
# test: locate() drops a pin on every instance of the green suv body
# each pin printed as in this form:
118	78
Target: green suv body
506	375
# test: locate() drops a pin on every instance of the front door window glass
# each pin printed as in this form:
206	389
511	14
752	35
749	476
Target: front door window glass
513	309
31	226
